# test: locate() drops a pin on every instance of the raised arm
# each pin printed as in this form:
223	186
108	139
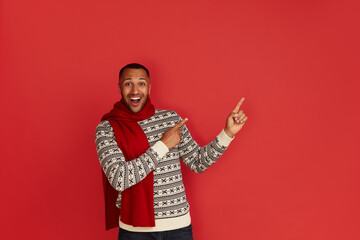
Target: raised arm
120	173
197	158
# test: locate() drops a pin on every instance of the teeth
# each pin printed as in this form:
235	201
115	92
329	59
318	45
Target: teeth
135	98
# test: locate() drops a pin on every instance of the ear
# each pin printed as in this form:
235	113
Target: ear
149	88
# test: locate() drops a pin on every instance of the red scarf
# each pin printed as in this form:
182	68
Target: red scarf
137	202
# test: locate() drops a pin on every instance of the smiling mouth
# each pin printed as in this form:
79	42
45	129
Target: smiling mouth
135	100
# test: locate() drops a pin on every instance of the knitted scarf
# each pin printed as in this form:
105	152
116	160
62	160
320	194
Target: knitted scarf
137	202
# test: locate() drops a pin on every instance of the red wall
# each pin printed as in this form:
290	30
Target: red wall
291	173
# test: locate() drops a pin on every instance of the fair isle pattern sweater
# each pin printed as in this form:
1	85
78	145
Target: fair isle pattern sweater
171	208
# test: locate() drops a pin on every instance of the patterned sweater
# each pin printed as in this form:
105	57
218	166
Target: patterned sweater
171	208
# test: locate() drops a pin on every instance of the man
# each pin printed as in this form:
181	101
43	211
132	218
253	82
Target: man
139	149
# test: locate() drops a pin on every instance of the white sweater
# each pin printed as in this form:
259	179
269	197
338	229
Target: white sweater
171	208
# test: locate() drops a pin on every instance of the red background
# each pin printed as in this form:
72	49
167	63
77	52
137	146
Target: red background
291	173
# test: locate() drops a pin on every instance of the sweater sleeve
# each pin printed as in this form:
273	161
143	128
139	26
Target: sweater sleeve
197	158
123	174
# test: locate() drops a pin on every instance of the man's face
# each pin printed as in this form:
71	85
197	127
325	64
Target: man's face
134	86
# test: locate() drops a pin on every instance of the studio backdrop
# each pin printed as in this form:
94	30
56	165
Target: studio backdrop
292	172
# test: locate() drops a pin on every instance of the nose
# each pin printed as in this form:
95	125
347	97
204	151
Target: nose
134	89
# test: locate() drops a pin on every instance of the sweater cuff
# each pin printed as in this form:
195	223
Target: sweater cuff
160	148
224	139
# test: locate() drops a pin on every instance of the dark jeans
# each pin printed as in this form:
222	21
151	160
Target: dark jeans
178	234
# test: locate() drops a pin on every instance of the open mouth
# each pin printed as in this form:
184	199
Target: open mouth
135	100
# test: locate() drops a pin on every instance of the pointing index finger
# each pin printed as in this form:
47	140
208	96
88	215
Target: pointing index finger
237	108
179	124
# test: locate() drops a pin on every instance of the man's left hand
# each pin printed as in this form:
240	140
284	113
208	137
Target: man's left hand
235	120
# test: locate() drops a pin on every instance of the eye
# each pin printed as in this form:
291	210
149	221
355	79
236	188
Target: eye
142	84
127	84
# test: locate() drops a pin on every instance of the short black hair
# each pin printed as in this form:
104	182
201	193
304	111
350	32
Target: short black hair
134	66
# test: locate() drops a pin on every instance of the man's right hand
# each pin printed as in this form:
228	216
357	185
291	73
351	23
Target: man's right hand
172	137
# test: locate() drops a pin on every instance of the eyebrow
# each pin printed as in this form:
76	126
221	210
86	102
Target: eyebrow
132	79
